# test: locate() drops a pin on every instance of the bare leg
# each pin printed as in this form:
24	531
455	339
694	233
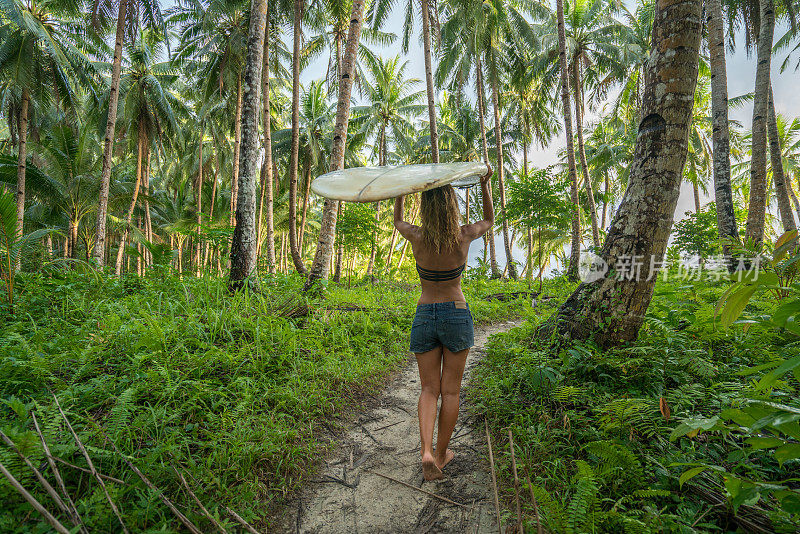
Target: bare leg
429	364
452	371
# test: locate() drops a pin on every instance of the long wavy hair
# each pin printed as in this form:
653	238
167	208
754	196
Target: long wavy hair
441	219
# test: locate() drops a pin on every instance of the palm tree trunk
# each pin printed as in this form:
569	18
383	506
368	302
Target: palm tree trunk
237	147
199	204
501	183
776	162
208	253
578	92
723	196
244	250
108	140
606	194
294	158
327	231
426	41
575	254
305	208
129	215
267	192
612	309
22	158
148	222
488	236
795	202
757	205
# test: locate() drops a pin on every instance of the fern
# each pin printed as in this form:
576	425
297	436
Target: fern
120	414
583	499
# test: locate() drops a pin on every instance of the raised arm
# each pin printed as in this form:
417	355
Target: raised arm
405	228
476	230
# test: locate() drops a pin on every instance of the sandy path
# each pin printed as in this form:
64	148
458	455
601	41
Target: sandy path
348	497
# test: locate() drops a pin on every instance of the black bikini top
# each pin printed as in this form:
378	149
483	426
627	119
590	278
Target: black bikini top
440	276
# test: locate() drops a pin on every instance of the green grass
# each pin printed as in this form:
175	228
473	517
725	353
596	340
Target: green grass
590	427
181	374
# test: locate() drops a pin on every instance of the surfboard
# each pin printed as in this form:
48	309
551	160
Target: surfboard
370	184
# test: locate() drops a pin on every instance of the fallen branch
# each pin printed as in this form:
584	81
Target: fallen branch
426	492
61	529
79	468
494	477
242	522
91	466
183	519
57	474
200	504
519	526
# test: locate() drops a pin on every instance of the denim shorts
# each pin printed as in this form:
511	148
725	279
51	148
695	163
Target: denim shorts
442	324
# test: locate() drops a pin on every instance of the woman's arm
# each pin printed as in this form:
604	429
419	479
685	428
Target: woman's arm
402	226
479	228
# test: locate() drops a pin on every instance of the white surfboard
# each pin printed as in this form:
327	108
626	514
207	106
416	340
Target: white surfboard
370	184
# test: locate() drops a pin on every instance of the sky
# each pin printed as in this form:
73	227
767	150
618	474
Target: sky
741	80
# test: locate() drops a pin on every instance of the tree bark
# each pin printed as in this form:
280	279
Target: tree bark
237	149
148	222
199	204
488	236
267	192
327	231
606	194
108	139
720	137
244	250
22	167
294	158
578	92
612	309
757	205
429	89
575	254
303	218
501	182
776	162
129	214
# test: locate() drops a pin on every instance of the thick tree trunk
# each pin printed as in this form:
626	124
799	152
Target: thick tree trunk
327	231
587	182
721	140
429	89
267	192
237	149
776	162
696	195
244	250
22	167
129	215
612	309
575	254
294	157
757	206
108	139
148	222
501	182
488	236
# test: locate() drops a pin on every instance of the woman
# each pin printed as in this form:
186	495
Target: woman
442	332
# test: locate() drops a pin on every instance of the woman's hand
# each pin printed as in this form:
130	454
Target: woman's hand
486	177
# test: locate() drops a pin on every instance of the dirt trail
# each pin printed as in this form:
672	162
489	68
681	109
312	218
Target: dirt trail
348	497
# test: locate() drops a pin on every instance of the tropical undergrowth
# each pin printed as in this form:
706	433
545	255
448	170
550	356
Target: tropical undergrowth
239	393
672	433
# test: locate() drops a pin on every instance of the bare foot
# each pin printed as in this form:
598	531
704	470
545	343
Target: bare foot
429	468
448	457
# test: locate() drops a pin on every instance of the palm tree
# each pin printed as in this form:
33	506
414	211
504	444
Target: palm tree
244	248
612	309
128	13
322	258
41	62
148	109
723	196
572	271
776	163
757	205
